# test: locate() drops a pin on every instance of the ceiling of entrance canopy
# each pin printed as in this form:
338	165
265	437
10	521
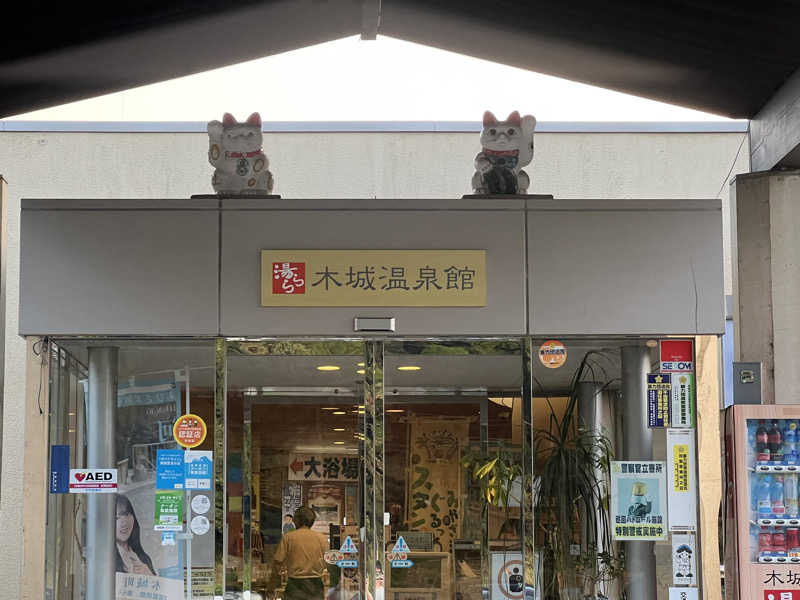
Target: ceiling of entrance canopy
407	375
722	57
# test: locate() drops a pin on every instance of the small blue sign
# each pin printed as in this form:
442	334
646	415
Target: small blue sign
348	547
658	399
197	469
169	470
59	469
402	564
168	538
347	564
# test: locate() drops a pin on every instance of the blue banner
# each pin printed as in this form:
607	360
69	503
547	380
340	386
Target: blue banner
59	469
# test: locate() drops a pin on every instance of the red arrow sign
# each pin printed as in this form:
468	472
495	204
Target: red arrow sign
296	466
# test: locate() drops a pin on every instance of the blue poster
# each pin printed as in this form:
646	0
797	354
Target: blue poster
169	470
198	469
59	469
659	386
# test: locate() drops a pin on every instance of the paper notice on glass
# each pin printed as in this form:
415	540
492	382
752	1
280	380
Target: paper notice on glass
683	593
684	559
681	485
638	500
134	586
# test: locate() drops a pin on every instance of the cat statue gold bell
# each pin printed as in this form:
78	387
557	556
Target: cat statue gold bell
507	146
234	150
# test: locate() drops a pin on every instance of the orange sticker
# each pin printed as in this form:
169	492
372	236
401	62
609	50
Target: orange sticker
189	431
552	354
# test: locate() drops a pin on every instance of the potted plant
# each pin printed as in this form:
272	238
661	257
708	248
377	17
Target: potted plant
571	501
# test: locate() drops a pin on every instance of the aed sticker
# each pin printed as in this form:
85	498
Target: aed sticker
552	354
92	481
189	431
200	504
200	525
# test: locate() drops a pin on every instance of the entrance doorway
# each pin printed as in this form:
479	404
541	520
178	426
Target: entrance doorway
382	440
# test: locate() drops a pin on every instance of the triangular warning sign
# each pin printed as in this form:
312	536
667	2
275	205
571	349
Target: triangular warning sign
348	547
401	546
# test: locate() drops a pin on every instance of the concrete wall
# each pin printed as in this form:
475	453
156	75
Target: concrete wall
766	279
572	163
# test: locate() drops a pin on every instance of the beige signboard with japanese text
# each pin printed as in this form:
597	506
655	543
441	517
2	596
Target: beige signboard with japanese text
373	278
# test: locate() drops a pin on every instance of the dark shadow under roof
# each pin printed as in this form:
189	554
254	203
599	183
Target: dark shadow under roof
726	58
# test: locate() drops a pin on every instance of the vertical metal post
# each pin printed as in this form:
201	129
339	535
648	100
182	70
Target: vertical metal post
528	466
220	433
380	492
247	491
369	553
101	454
187	499
486	566
637	444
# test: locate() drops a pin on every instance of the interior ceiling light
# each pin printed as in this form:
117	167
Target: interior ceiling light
360	371
328	368
652	343
395	410
251	391
330	408
338	428
409	368
339	412
339	443
360	364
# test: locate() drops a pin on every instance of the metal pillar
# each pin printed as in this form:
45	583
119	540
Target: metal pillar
590	415
100	453
637	444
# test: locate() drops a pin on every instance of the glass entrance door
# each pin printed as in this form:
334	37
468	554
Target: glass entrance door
295	438
414	450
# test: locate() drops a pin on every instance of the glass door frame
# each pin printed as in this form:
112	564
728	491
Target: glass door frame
373	479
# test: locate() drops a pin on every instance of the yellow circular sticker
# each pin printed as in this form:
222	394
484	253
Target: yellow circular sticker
552	354
189	431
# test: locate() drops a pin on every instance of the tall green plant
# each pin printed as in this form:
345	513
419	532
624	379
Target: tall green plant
571	496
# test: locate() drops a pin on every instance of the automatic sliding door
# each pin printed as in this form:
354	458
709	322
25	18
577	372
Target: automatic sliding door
295	427
454	455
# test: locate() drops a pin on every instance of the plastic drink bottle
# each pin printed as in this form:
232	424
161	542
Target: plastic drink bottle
751	443
792	539
764	541
776	495
790	494
762	443
779	541
764	498
790	444
775	440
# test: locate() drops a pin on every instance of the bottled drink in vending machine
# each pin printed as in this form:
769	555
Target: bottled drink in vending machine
764	497
792	539
764	541
790	494
762	443
790	444
779	541
775	439
751	443
776	495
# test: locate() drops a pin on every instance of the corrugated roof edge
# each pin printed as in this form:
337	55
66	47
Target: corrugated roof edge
377	126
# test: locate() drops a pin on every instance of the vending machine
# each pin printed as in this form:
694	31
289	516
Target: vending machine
762	516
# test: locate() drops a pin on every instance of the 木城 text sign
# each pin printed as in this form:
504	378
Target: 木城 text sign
373	278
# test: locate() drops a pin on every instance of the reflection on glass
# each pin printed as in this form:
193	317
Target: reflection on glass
453	464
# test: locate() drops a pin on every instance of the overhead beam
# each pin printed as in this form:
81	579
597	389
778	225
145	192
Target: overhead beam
775	130
370	19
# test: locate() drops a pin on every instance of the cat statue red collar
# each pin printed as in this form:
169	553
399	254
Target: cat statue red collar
507	146
234	150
